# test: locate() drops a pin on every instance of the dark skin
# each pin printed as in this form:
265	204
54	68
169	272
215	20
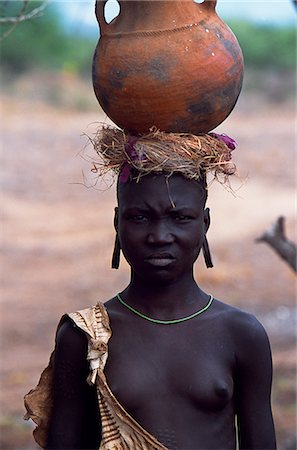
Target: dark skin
184	383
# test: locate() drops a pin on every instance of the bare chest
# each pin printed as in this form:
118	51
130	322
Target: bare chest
188	367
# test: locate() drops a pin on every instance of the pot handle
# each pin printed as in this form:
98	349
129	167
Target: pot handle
210	4
99	11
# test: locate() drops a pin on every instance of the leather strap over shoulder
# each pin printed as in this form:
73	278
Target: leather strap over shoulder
95	323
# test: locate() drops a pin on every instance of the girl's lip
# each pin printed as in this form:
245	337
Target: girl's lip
159	262
160	259
160	255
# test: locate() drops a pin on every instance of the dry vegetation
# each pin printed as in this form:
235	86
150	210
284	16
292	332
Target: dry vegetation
57	235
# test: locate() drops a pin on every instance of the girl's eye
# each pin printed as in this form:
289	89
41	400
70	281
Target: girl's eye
182	218
138	218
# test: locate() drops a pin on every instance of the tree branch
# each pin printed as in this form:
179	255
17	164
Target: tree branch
275	237
36	12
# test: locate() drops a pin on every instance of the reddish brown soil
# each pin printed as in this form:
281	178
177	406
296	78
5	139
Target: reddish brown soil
57	241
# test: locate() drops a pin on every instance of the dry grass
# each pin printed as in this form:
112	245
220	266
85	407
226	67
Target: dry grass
162	152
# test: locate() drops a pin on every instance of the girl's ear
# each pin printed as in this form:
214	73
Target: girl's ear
206	219
115	262
116	218
205	246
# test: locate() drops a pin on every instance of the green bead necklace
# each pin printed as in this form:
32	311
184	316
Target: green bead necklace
166	322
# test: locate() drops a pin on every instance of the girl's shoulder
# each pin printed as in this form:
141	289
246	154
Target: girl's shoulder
240	323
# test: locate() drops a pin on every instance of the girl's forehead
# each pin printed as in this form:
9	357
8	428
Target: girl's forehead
157	189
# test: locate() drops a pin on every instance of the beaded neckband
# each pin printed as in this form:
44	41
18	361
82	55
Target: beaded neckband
165	322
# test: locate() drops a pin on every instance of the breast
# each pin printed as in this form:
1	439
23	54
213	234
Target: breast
188	366
206	386
209	385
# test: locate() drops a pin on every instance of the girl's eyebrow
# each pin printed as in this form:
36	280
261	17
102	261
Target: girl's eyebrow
182	208
136	208
149	209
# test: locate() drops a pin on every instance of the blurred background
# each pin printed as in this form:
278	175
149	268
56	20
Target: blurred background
57	234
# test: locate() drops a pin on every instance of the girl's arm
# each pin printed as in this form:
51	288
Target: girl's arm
75	422
253	386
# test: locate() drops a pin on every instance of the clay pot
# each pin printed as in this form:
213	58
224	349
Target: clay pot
172	64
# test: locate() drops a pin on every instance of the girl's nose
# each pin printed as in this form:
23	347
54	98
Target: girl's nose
160	233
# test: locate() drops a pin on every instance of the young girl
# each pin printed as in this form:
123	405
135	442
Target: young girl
163	364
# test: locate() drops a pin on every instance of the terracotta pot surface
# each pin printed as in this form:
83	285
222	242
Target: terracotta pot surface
171	64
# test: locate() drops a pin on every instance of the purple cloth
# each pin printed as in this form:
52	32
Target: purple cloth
131	152
231	143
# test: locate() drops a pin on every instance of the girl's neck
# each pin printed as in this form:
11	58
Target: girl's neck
164	298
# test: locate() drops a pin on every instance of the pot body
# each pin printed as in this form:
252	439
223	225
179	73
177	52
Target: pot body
171	64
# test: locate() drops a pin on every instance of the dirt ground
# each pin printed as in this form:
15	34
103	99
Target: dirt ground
57	237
